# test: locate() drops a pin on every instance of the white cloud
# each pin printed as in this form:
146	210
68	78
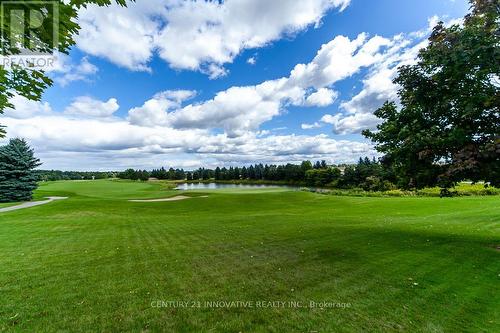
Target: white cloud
25	108
179	96
311	126
215	71
66	73
322	97
238	110
251	61
85	143
88	106
235	110
339	59
377	88
356	114
194	35
350	124
154	111
124	36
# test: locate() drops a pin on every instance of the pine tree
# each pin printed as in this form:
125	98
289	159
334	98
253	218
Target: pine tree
17	178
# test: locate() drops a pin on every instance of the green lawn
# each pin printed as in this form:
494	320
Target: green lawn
98	263
7	204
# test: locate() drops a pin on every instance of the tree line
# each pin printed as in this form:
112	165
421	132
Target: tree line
367	174
162	174
54	175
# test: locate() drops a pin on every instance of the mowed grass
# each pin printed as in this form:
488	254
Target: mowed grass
98	263
7	204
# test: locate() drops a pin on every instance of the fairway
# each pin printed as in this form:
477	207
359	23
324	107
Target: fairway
247	261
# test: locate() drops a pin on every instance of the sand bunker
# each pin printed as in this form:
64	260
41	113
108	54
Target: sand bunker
177	198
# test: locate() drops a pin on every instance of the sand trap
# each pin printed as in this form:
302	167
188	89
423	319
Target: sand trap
31	204
177	198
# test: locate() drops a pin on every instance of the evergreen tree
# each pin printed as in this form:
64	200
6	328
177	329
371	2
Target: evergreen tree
17	177
244	173
251	172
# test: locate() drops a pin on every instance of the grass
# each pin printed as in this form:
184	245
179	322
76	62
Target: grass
7	204
99	263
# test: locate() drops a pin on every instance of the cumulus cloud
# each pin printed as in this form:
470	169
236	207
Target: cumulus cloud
322	97
194	35
119	144
81	72
339	59
377	88
350	124
25	108
238	110
88	106
64	72
124	36
154	111
356	114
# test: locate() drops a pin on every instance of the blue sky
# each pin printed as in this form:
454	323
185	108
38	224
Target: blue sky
165	83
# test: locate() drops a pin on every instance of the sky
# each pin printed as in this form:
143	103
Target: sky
190	84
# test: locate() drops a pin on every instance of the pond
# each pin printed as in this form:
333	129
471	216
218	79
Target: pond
217	186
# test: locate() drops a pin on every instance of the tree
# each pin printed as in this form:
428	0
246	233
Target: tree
251	172
244	173
305	166
448	127
17	177
217	174
128	174
143	175
322	177
31	82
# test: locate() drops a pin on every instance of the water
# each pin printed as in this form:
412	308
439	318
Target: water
217	186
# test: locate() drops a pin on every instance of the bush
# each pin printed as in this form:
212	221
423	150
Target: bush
462	189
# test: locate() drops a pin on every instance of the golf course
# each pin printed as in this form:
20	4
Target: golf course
253	260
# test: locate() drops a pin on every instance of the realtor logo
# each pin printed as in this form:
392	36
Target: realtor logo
29	32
